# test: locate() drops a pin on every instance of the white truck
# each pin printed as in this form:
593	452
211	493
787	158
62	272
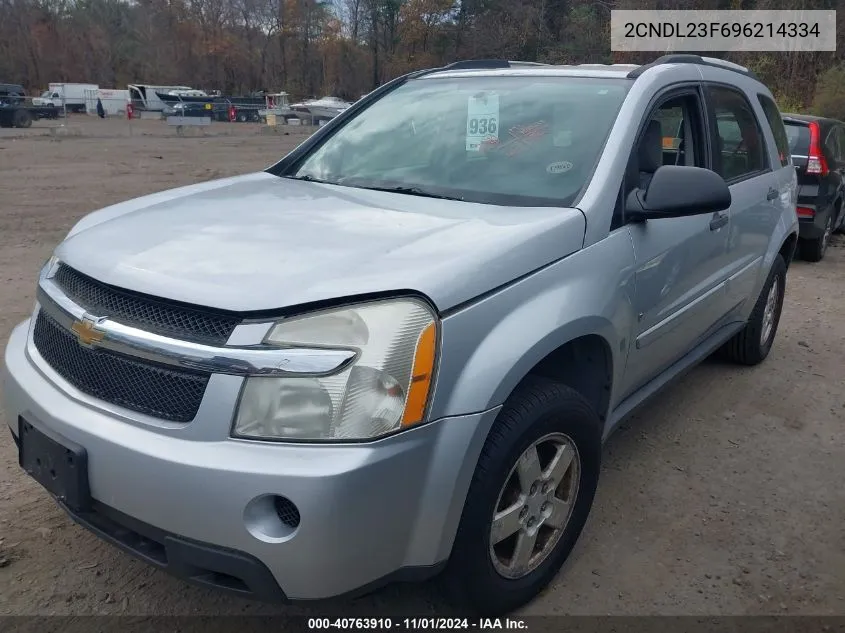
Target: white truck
68	95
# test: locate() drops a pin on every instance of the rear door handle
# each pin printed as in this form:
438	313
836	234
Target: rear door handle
773	194
719	220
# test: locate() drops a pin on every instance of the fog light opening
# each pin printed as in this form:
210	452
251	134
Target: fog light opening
271	518
287	512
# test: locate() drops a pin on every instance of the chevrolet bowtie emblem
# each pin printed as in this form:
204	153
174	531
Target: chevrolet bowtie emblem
86	331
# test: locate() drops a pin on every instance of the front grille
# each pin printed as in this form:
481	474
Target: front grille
163	393
148	313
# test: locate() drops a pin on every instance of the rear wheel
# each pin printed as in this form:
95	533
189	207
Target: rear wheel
839	225
814	250
529	498
751	345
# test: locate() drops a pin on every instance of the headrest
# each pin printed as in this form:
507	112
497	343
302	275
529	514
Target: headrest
650	153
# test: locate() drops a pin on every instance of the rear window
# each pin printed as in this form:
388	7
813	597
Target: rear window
799	138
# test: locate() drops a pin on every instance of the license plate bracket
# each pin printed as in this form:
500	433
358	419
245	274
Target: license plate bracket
55	462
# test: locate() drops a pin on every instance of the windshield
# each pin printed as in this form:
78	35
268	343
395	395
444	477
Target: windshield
799	138
522	141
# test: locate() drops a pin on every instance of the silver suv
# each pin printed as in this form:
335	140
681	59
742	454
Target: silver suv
397	351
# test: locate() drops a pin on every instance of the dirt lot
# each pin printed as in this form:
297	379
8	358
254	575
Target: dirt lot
725	496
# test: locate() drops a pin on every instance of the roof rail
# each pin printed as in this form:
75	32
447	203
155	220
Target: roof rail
603	66
517	64
486	64
693	59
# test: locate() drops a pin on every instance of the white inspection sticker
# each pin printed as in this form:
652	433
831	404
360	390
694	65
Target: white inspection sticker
482	120
560	167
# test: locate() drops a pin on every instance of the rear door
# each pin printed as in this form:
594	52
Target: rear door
780	156
742	158
798	133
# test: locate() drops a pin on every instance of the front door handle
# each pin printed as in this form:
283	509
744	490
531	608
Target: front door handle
719	220
773	194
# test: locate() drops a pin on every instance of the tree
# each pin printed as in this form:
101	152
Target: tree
348	47
829	100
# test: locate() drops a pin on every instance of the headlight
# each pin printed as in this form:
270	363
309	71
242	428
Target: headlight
49	265
385	389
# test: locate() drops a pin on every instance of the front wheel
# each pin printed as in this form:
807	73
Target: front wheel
529	498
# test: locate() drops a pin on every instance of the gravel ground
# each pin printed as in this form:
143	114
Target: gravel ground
723	497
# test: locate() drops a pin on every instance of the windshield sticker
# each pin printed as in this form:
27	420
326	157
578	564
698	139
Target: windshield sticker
522	137
561	167
482	120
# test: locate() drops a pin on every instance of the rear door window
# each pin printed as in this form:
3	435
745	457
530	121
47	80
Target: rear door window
740	147
798	135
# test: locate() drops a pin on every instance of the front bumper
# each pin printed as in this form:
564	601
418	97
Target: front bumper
368	512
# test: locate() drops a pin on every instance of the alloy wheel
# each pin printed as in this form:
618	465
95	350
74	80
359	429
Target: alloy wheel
534	505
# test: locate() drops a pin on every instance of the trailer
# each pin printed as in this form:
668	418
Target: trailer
69	96
277	105
114	101
245	109
144	97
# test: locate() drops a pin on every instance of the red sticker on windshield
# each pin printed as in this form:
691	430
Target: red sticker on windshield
521	138
533	131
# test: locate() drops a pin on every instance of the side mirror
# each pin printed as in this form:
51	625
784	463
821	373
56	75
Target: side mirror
678	191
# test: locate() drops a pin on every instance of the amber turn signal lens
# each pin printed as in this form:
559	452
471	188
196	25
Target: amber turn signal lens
421	376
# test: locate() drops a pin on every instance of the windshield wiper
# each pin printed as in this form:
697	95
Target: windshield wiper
413	191
308	178
403	189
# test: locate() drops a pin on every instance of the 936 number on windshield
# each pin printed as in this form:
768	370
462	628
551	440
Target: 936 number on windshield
482	125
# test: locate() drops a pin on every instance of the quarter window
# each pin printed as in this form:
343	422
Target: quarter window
839	134
778	131
740	150
831	145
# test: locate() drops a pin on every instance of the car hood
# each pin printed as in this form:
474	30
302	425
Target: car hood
261	242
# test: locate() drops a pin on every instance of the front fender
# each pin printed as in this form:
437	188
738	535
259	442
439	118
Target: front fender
491	345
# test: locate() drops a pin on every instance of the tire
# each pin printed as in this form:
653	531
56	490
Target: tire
537	409
242	118
839	219
23	118
814	250
749	346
